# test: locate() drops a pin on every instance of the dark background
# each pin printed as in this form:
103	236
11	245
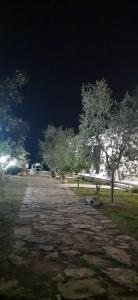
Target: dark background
62	44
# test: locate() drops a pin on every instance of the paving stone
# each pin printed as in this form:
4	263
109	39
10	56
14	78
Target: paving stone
134	244
58	235
47	228
24	231
47	267
58	278
95	261
112	288
79	272
46	248
81	289
34	239
123	276
26	216
114	297
53	256
123	246
18	260
71	253
125	238
82	226
118	254
19	245
6	285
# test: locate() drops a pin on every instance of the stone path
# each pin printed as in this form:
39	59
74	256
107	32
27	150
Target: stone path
72	247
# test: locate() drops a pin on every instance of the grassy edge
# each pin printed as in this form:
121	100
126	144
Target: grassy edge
124	212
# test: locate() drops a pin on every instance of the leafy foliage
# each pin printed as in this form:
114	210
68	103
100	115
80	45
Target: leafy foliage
82	154
109	125
56	147
13	130
134	189
10	97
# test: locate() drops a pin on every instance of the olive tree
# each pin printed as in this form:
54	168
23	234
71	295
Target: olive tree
110	125
56	149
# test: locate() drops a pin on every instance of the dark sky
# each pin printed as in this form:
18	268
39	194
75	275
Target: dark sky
61	45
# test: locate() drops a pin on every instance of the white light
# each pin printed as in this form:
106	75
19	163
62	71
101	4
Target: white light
12	163
3	159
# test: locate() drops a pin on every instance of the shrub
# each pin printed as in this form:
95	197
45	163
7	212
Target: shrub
100	181
13	170
134	189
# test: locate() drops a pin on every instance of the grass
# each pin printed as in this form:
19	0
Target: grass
124	212
11	196
75	181
88	181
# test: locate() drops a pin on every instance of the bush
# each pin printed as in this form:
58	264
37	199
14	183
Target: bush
134	189
99	181
13	170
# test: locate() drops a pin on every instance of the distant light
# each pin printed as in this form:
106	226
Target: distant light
12	163
3	159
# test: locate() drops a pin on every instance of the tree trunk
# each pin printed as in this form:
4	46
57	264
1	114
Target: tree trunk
112	187
97	191
53	173
2	179
78	181
62	178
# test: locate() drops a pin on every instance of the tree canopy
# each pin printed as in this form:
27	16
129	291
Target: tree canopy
110	125
55	148
10	97
13	130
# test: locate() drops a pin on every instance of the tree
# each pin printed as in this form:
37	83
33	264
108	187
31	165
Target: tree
10	97
81	152
110	125
55	149
12	129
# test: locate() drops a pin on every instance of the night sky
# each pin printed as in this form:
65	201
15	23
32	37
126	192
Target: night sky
61	45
